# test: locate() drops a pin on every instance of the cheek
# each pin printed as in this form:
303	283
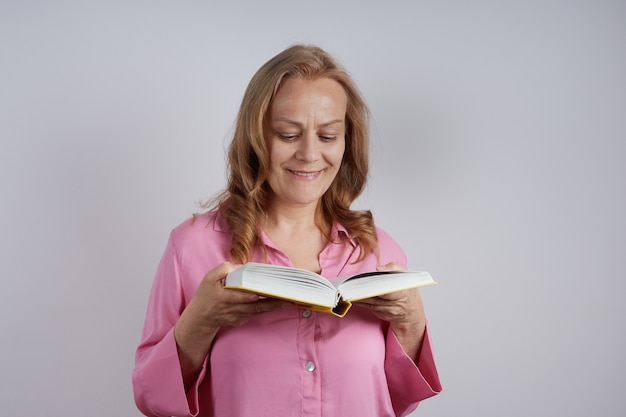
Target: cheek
339	153
278	154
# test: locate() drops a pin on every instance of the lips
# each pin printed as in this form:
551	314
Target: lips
305	174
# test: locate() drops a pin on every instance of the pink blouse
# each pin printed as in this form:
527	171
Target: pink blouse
291	362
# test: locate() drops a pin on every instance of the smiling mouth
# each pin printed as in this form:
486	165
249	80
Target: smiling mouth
305	174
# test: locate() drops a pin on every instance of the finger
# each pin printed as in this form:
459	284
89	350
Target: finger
391	266
270	304
217	274
394	296
234	296
242	312
222	270
373	301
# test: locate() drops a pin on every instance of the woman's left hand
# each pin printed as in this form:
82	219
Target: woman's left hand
404	312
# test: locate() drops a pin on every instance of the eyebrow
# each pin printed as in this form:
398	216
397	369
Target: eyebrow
293	122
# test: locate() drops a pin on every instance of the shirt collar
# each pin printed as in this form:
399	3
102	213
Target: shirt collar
339	233
220	224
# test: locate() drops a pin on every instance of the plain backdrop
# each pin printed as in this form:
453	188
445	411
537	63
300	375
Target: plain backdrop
498	162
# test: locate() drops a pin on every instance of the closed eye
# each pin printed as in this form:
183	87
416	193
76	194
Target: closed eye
287	136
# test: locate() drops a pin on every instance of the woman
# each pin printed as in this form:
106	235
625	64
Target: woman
298	159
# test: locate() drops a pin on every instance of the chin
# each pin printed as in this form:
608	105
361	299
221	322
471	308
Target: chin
303	201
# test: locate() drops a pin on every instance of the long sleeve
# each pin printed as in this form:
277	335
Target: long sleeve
410	383
157	378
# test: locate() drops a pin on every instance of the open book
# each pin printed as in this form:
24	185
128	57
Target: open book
312	290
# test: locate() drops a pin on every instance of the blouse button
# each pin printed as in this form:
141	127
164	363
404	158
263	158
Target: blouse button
310	366
306	313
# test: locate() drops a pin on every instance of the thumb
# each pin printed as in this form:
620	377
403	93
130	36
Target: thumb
382	267
391	266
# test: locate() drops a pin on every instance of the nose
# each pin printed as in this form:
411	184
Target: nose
308	147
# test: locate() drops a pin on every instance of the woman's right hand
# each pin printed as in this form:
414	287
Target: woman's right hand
212	307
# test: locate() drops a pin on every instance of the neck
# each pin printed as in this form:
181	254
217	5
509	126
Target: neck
291	218
295	231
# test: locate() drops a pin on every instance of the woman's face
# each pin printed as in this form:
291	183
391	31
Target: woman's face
306	138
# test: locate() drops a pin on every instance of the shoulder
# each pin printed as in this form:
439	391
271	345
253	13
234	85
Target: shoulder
194	247
389	250
197	223
204	228
385	239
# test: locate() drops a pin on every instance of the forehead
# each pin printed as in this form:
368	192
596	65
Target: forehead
297	96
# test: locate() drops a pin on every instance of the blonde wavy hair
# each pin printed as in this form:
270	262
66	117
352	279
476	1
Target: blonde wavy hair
244	200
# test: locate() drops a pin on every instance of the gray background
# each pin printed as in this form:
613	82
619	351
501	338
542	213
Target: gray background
499	145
